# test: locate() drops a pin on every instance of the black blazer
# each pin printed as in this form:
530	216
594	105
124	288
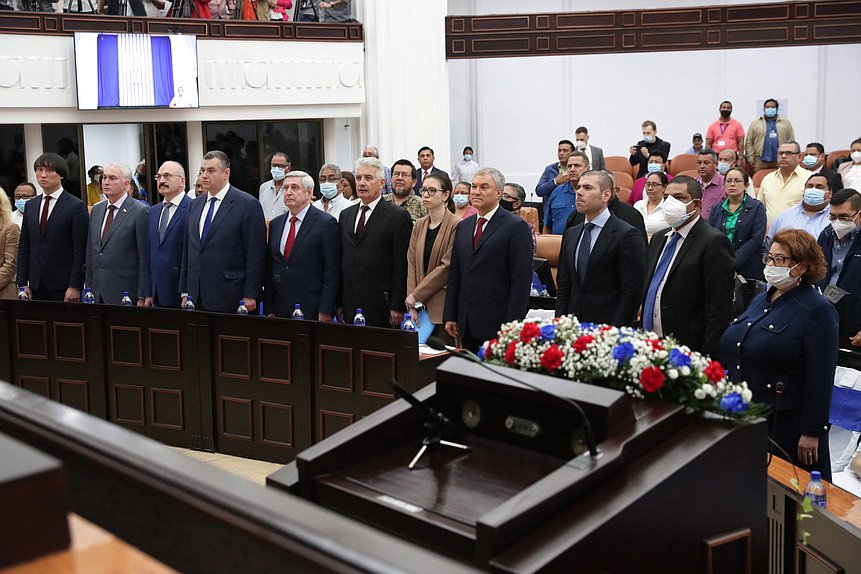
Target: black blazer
696	301
749	236
614	277
850	275
835	180
621	210
418	177
489	285
638	158
374	265
54	260
229	264
311	274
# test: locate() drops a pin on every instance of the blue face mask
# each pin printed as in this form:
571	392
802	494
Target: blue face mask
460	199
809	161
653	167
770	112
813	196
19	204
278	173
467	157
723	167
649	139
329	189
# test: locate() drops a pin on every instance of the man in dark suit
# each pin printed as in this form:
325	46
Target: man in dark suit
303	260
224	254
117	253
841	244
491	266
375	236
595	154
426	168
53	244
602	263
813	159
618	208
168	222
689	281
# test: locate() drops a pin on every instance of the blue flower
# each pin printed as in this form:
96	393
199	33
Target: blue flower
482	351
587	326
679	359
548	332
733	403
623	352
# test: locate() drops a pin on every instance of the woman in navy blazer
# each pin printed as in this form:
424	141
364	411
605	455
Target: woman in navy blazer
785	347
748	231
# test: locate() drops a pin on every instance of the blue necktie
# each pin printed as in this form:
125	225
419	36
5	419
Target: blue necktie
208	219
162	224
657	278
584	251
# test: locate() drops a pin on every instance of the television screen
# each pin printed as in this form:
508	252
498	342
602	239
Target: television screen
119	71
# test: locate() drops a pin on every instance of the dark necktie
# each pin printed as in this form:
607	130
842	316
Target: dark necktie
584	251
162	224
288	245
108	221
478	228
208	220
43	223
360	227
657	279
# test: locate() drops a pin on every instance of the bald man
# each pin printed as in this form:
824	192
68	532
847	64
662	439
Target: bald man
167	223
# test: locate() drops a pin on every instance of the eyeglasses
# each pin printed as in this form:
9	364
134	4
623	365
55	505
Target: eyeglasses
653	184
846	218
430	191
734	180
164	176
779	260
281	165
507	197
402	174
329	179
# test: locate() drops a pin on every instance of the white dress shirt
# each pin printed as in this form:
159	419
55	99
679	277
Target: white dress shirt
54	197
301	217
336	205
118	205
220	197
272	201
171	207
372	206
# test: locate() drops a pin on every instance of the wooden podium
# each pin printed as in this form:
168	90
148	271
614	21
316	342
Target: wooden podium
670	492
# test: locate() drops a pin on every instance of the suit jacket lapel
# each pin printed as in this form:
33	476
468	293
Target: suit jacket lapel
352	213
119	217
422	229
276	230
170	224
686	245
489	227
605	238
436	255
221	214
374	216
304	229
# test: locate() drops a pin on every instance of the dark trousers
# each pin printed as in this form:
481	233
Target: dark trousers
45	295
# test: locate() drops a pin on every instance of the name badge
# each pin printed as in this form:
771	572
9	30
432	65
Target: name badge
721	143
772	135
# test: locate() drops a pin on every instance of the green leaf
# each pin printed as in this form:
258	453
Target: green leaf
794	483
807	504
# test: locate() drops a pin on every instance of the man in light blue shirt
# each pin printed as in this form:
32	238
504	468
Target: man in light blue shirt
811	214
562	202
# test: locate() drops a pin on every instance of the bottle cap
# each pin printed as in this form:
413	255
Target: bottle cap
815	475
296	306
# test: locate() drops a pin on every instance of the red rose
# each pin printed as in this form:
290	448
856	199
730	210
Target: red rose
551	359
656	344
490	345
530	331
652	379
509	352
582	342
606	327
714	371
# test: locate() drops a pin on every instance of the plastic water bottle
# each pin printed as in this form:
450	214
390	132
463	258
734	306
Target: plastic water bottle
297	313
814	490
359	319
189	304
22	294
408	324
242	309
89	297
534	292
543	292
126	301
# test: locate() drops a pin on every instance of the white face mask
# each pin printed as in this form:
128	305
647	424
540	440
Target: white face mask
842	228
580	145
779	276
856	156
676	212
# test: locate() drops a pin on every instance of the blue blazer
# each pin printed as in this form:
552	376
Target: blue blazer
54	260
546	185
850	275
165	257
310	276
489	285
749	235
230	264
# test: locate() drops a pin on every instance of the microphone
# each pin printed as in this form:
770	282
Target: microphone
438	344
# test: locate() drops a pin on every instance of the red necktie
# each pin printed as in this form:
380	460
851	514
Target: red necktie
423	177
478	228
43	223
288	245
361	225
108	221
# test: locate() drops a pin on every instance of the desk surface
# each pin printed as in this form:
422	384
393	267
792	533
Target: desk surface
842	504
93	551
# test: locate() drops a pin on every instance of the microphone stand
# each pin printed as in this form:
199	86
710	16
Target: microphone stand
437	344
436	424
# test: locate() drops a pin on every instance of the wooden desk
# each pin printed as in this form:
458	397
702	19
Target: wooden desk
93	551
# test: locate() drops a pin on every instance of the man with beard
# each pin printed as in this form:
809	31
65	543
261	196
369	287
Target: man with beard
402	189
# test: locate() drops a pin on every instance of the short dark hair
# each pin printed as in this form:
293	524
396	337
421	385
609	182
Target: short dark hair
27	184
694	188
707	151
648	123
725	102
407	163
568	142
605	180
580	154
819	147
220	156
423	148
467	148
518	191
822	175
661	175
847	194
92	171
660	154
581	130
858	141
53	162
744	175
281	154
776	103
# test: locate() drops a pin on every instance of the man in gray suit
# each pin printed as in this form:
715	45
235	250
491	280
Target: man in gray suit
595	154
117	254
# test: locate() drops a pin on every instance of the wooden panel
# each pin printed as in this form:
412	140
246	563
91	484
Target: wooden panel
234	356
276	424
70	342
126	346
165	353
31	338
234	417
335	368
378	368
39	385
275	358
73	393
167	408
128	404
666	29
331	422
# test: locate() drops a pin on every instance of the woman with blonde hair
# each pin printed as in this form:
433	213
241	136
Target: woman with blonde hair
9	234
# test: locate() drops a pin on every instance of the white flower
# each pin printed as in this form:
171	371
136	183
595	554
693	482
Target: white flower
708	389
699	394
673	373
746	395
685	371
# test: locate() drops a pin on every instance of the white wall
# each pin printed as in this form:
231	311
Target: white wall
109	143
515	110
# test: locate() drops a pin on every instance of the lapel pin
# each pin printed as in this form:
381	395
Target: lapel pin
125	210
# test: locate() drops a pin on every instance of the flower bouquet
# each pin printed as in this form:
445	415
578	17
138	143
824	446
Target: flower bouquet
637	362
